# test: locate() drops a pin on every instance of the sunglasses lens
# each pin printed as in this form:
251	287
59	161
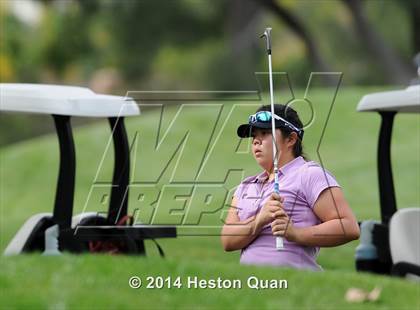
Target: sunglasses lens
264	116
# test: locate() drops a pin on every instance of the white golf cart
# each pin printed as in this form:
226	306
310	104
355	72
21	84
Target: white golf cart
58	231
391	246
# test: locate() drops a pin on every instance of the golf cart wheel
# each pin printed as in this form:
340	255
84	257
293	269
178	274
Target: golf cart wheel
372	265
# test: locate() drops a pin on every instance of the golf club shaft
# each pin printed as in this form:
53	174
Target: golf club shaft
279	240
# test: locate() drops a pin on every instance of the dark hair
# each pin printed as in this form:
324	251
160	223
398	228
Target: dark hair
289	114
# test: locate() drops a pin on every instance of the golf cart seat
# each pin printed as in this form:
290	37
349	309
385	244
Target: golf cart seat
76	234
377	252
29	237
404	238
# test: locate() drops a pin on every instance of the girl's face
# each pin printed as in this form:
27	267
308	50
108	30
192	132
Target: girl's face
262	146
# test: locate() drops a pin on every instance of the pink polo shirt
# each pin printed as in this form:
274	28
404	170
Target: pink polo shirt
300	182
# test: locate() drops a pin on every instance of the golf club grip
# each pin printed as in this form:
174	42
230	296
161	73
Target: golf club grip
279	243
279	240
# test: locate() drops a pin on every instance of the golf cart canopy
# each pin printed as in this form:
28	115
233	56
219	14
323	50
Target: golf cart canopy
401	101
63	103
63	100
388	104
391	246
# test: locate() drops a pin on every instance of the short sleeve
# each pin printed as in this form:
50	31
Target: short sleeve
238	191
315	180
242	188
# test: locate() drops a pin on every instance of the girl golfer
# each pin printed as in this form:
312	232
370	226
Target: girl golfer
310	212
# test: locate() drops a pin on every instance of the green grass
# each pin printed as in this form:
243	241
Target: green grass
29	172
86	281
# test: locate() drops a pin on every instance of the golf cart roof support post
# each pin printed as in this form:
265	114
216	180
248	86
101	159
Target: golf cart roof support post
386	182
120	179
63	206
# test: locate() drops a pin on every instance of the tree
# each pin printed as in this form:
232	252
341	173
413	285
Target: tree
397	71
298	27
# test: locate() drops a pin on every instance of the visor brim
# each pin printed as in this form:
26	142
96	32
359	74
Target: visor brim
245	130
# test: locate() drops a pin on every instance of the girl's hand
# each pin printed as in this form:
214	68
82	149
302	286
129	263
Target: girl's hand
283	226
267	213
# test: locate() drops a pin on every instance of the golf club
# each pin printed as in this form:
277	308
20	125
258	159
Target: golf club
267	35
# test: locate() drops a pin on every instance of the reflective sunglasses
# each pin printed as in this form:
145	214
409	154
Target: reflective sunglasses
265	117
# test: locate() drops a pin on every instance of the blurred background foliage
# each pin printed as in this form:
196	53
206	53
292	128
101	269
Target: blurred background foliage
113	46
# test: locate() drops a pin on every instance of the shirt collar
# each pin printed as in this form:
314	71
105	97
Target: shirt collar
290	166
263	176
